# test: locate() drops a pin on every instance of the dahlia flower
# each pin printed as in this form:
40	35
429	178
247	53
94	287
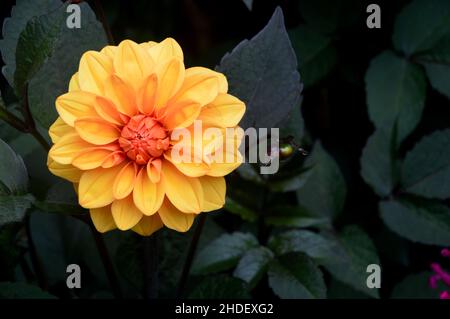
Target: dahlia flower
115	135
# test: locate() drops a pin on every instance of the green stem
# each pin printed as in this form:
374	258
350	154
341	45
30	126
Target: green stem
151	267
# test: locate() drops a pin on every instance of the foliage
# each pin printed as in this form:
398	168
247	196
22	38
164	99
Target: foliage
369	107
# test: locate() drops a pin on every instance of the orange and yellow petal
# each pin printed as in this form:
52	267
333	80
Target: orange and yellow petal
214	189
147	196
68	172
126	215
58	129
225	111
174	218
94	68
102	219
125	180
121	94
164	51
75	105
96	131
148	225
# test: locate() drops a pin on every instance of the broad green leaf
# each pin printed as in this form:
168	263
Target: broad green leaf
315	52
236	208
295	276
61	240
439	53
35	44
21	13
293	181
223	253
379	165
14	207
354	252
426	169
423	221
61	198
417	286
439	77
312	244
294	125
253	265
53	77
295	216
248	4
420	25
20	290
263	72
395	93
324	192
220	287
329	16
13	173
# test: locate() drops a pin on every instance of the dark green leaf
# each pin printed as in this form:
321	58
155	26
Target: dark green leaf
339	290
325	190
304	241
295	216
61	198
35	44
379	165
395	93
422	221
223	253
355	251
417	287
421	25
293	125
426	169
248	4
14	207
315	52
21	13
236	208
20	290
253	265
263	72
439	77
295	181
13	173
220	287
53	78
296	276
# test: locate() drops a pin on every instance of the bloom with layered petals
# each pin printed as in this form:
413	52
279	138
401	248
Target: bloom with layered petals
114	137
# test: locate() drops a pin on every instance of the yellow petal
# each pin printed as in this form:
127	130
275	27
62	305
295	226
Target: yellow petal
164	51
170	78
114	159
110	51
191	169
94	68
96	131
68	147
108	111
121	94
68	172
125	213
184	192
124	182
224	111
102	219
148	225
95	188
58	129
223	83
91	159
74	84
154	170
174	219
214	190
181	115
146	96
147	196
199	87
74	105
132	63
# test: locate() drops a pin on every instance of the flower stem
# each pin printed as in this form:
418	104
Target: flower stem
150	266
107	264
191	255
102	17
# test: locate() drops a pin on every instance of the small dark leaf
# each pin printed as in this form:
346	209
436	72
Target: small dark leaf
427	222
395	93
13	173
426	169
223	253
295	216
295	276
14	207
62	199
263	72
236	208
421	25
379	165
324	192
417	287
253	265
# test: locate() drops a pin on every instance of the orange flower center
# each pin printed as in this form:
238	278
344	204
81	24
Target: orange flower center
143	139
